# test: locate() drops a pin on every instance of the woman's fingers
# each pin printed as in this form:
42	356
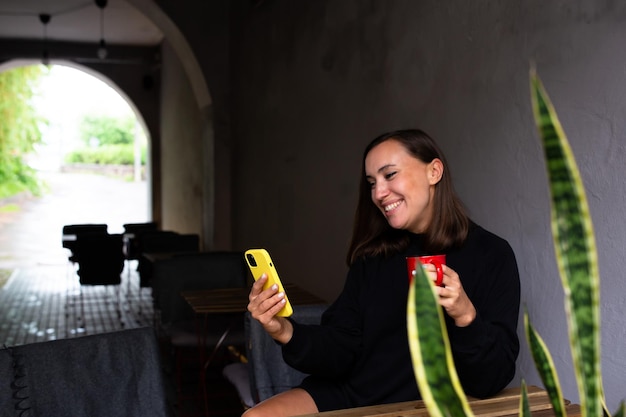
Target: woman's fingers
449	275
265	304
269	307
257	287
454	300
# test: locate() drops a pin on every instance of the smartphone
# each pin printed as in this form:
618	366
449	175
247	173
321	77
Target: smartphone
259	262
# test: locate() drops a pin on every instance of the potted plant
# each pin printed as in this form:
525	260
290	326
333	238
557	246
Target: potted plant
577	261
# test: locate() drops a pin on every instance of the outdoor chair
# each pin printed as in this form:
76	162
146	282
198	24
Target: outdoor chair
71	232
100	263
176	320
263	373
162	242
132	250
132	233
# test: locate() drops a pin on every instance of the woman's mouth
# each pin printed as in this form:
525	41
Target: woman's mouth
392	206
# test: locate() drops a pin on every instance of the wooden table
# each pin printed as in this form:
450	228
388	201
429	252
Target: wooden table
230	301
504	404
235	300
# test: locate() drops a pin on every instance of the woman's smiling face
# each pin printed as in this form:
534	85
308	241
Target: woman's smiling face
402	186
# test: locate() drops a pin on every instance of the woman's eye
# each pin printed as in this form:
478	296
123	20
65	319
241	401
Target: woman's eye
390	175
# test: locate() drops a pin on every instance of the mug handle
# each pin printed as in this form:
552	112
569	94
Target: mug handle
439	281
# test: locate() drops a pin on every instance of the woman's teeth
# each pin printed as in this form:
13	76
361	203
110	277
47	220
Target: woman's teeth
392	206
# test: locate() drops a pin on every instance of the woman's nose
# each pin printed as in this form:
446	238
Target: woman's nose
380	191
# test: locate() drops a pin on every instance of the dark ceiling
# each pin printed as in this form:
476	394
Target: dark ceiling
77	21
74	30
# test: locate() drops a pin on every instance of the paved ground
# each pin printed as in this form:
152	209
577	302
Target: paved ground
42	299
32	236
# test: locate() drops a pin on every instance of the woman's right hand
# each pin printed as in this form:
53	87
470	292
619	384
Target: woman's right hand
263	305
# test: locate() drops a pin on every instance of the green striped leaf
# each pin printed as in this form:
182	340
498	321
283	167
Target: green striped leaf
431	354
606	412
575	249
524	407
545	367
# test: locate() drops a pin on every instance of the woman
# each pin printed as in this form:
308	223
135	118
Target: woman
359	355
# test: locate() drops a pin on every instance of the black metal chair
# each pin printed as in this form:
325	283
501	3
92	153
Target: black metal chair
71	232
100	259
132	248
162	242
132	238
175	318
100	262
69	240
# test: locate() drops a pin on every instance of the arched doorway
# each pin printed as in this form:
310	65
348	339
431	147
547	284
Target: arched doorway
75	193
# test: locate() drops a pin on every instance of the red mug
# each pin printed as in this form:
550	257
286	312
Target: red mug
437	260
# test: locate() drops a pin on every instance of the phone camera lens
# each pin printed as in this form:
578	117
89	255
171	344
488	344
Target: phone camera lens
251	259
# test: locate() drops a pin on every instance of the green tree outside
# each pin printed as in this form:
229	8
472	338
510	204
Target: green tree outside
107	130
107	140
19	129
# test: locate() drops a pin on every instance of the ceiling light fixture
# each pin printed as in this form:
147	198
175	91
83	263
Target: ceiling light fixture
102	46
44	18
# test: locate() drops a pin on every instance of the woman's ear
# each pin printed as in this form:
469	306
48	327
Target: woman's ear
435	171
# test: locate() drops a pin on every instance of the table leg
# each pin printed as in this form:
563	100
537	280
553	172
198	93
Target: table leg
204	360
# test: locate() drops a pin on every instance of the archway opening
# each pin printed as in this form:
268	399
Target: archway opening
90	170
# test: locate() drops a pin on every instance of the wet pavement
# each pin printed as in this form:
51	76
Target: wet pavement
42	299
32	235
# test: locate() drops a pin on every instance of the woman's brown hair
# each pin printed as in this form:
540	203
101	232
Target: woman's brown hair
372	235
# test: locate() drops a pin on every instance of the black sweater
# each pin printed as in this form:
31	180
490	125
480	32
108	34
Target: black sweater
360	356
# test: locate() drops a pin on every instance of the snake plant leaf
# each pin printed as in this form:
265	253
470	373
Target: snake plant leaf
524	407
431	353
545	367
575	249
606	412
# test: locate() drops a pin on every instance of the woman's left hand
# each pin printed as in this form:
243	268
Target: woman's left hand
452	296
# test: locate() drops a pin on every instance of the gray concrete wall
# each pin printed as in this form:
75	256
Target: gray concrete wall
314	81
201	38
181	155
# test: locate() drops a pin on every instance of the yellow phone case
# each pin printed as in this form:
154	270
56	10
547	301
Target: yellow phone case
259	262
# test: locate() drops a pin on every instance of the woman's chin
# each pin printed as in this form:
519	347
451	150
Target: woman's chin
394	223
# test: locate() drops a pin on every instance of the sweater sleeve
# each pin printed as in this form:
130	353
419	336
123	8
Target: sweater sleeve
485	351
331	348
